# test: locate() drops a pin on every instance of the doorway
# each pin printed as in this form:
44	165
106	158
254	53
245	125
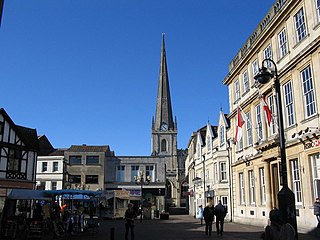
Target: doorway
275	184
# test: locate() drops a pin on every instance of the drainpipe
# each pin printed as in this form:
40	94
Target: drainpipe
230	178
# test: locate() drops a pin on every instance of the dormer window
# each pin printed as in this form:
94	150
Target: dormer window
222	135
198	150
209	143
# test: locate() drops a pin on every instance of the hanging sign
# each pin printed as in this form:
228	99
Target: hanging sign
314	143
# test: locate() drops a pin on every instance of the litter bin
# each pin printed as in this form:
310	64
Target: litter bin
164	216
156	213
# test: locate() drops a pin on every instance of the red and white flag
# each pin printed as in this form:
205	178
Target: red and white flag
267	111
239	126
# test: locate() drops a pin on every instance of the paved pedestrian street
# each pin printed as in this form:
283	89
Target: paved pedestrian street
178	227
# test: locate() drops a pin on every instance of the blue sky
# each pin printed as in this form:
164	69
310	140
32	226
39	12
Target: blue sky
86	71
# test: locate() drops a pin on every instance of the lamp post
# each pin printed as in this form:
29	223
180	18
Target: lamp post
285	196
142	180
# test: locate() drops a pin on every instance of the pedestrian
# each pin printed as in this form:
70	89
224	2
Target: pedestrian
130	215
278	229
316	210
220	211
208	215
200	213
37	212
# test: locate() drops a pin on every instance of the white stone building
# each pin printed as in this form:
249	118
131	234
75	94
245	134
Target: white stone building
289	34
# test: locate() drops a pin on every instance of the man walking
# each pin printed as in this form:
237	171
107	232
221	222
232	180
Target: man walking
130	215
220	211
208	214
316	209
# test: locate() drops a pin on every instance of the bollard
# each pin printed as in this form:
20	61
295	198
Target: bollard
112	233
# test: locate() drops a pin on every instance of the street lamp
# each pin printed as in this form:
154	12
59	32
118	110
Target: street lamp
142	180
285	196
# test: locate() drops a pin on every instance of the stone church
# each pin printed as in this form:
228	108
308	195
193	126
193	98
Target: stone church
154	180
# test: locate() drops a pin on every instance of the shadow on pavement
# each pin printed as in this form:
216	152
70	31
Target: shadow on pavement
176	228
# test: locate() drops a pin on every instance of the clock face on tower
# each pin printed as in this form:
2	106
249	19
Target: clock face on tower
164	126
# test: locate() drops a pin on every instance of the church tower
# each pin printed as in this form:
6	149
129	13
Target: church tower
164	130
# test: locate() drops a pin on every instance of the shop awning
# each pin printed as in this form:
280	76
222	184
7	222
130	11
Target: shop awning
73	192
28	194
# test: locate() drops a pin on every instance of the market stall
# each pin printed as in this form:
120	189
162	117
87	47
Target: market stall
113	203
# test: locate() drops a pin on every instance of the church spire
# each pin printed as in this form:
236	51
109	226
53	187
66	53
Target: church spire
164	119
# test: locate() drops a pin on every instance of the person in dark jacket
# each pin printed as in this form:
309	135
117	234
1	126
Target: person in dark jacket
208	215
220	211
278	229
130	215
316	210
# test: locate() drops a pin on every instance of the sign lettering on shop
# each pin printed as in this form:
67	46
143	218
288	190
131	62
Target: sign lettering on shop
312	144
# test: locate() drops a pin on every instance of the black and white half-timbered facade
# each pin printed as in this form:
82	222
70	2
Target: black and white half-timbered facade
18	156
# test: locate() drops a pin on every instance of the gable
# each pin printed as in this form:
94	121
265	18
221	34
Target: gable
17	135
222	120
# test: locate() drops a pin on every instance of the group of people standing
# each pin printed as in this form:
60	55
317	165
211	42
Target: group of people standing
208	214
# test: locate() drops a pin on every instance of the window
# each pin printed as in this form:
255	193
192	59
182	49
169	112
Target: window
223	171
251	187
43	185
55	166
283	43
150	172
198	150
272	109
300	25
224	201
134	172
14	160
221	135
53	185
207	174
267	53
236	90
163	145
246	81
74	160
308	92
44	166
242	190
208	143
120	174
315	160
92	160
255	67
249	129
1	127
288	100
296	181
262	186
259	123
318	9
215	169
240	144
75	178
92	179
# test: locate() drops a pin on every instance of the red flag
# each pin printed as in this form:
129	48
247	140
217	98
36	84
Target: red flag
267	111
239	126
